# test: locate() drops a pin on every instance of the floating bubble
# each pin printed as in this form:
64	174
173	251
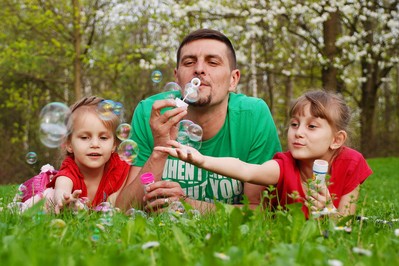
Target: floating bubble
182	137
191	93
194	144
123	131
31	157
133	213
184	124
156	76
189	134
173	88
53	126
128	151
106	109
118	109
195	132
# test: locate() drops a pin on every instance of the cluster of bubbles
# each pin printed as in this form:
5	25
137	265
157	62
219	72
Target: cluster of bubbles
108	108
189	134
127	149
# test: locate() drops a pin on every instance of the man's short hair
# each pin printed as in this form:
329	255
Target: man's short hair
209	34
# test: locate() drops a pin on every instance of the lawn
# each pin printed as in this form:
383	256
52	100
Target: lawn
230	236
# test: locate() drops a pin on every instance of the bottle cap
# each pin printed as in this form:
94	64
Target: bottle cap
147	178
320	166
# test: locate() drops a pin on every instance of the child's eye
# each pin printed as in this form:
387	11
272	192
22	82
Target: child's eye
294	124
84	137
312	126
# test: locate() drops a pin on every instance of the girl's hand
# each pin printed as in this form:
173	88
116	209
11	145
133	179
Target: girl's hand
65	199
318	198
182	152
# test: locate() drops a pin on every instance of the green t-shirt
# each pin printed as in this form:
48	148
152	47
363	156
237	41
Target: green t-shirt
249	134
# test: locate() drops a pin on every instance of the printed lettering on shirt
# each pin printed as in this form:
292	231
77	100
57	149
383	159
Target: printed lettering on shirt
203	185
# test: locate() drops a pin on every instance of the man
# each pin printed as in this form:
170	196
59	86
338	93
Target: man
233	125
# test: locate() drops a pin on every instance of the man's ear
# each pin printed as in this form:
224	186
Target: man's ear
339	140
234	79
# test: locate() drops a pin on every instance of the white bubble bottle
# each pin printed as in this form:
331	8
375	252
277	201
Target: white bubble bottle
320	170
147	179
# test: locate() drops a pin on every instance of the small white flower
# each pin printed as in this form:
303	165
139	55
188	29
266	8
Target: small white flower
397	232
151	244
335	263
221	256
362	251
343	228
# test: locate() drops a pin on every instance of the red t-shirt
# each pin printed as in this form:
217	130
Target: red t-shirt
348	170
115	173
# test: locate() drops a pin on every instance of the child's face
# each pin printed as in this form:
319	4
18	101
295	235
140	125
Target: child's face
310	137
91	142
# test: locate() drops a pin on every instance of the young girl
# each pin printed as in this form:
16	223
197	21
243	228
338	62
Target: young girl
91	168
317	130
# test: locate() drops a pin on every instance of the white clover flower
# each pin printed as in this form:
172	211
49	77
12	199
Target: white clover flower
221	256
335	263
362	251
396	232
149	245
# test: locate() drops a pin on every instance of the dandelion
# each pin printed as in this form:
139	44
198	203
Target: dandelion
150	245
362	251
221	256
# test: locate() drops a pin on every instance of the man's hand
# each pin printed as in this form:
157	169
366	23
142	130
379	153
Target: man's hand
161	193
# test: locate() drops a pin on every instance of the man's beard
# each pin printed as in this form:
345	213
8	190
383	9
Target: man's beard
202	102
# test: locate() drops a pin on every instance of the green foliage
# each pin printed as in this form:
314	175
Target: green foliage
228	236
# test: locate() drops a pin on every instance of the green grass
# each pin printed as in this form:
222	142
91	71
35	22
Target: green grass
230	236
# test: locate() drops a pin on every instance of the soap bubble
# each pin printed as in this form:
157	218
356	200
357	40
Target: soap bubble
156	76
173	88
184	124
196	82
128	151
182	137
106	109
53	126
191	93
123	131
189	134
31	157
118	109
194	132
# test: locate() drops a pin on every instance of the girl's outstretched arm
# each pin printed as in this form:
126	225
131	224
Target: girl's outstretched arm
265	174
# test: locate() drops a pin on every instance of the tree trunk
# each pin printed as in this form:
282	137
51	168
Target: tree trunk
330	33
368	105
77	37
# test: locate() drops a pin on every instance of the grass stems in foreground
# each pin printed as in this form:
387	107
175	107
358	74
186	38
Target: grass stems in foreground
230	236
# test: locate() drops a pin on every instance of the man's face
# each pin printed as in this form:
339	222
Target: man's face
208	60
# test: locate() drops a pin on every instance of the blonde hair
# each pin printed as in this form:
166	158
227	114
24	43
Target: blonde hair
327	105
90	104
